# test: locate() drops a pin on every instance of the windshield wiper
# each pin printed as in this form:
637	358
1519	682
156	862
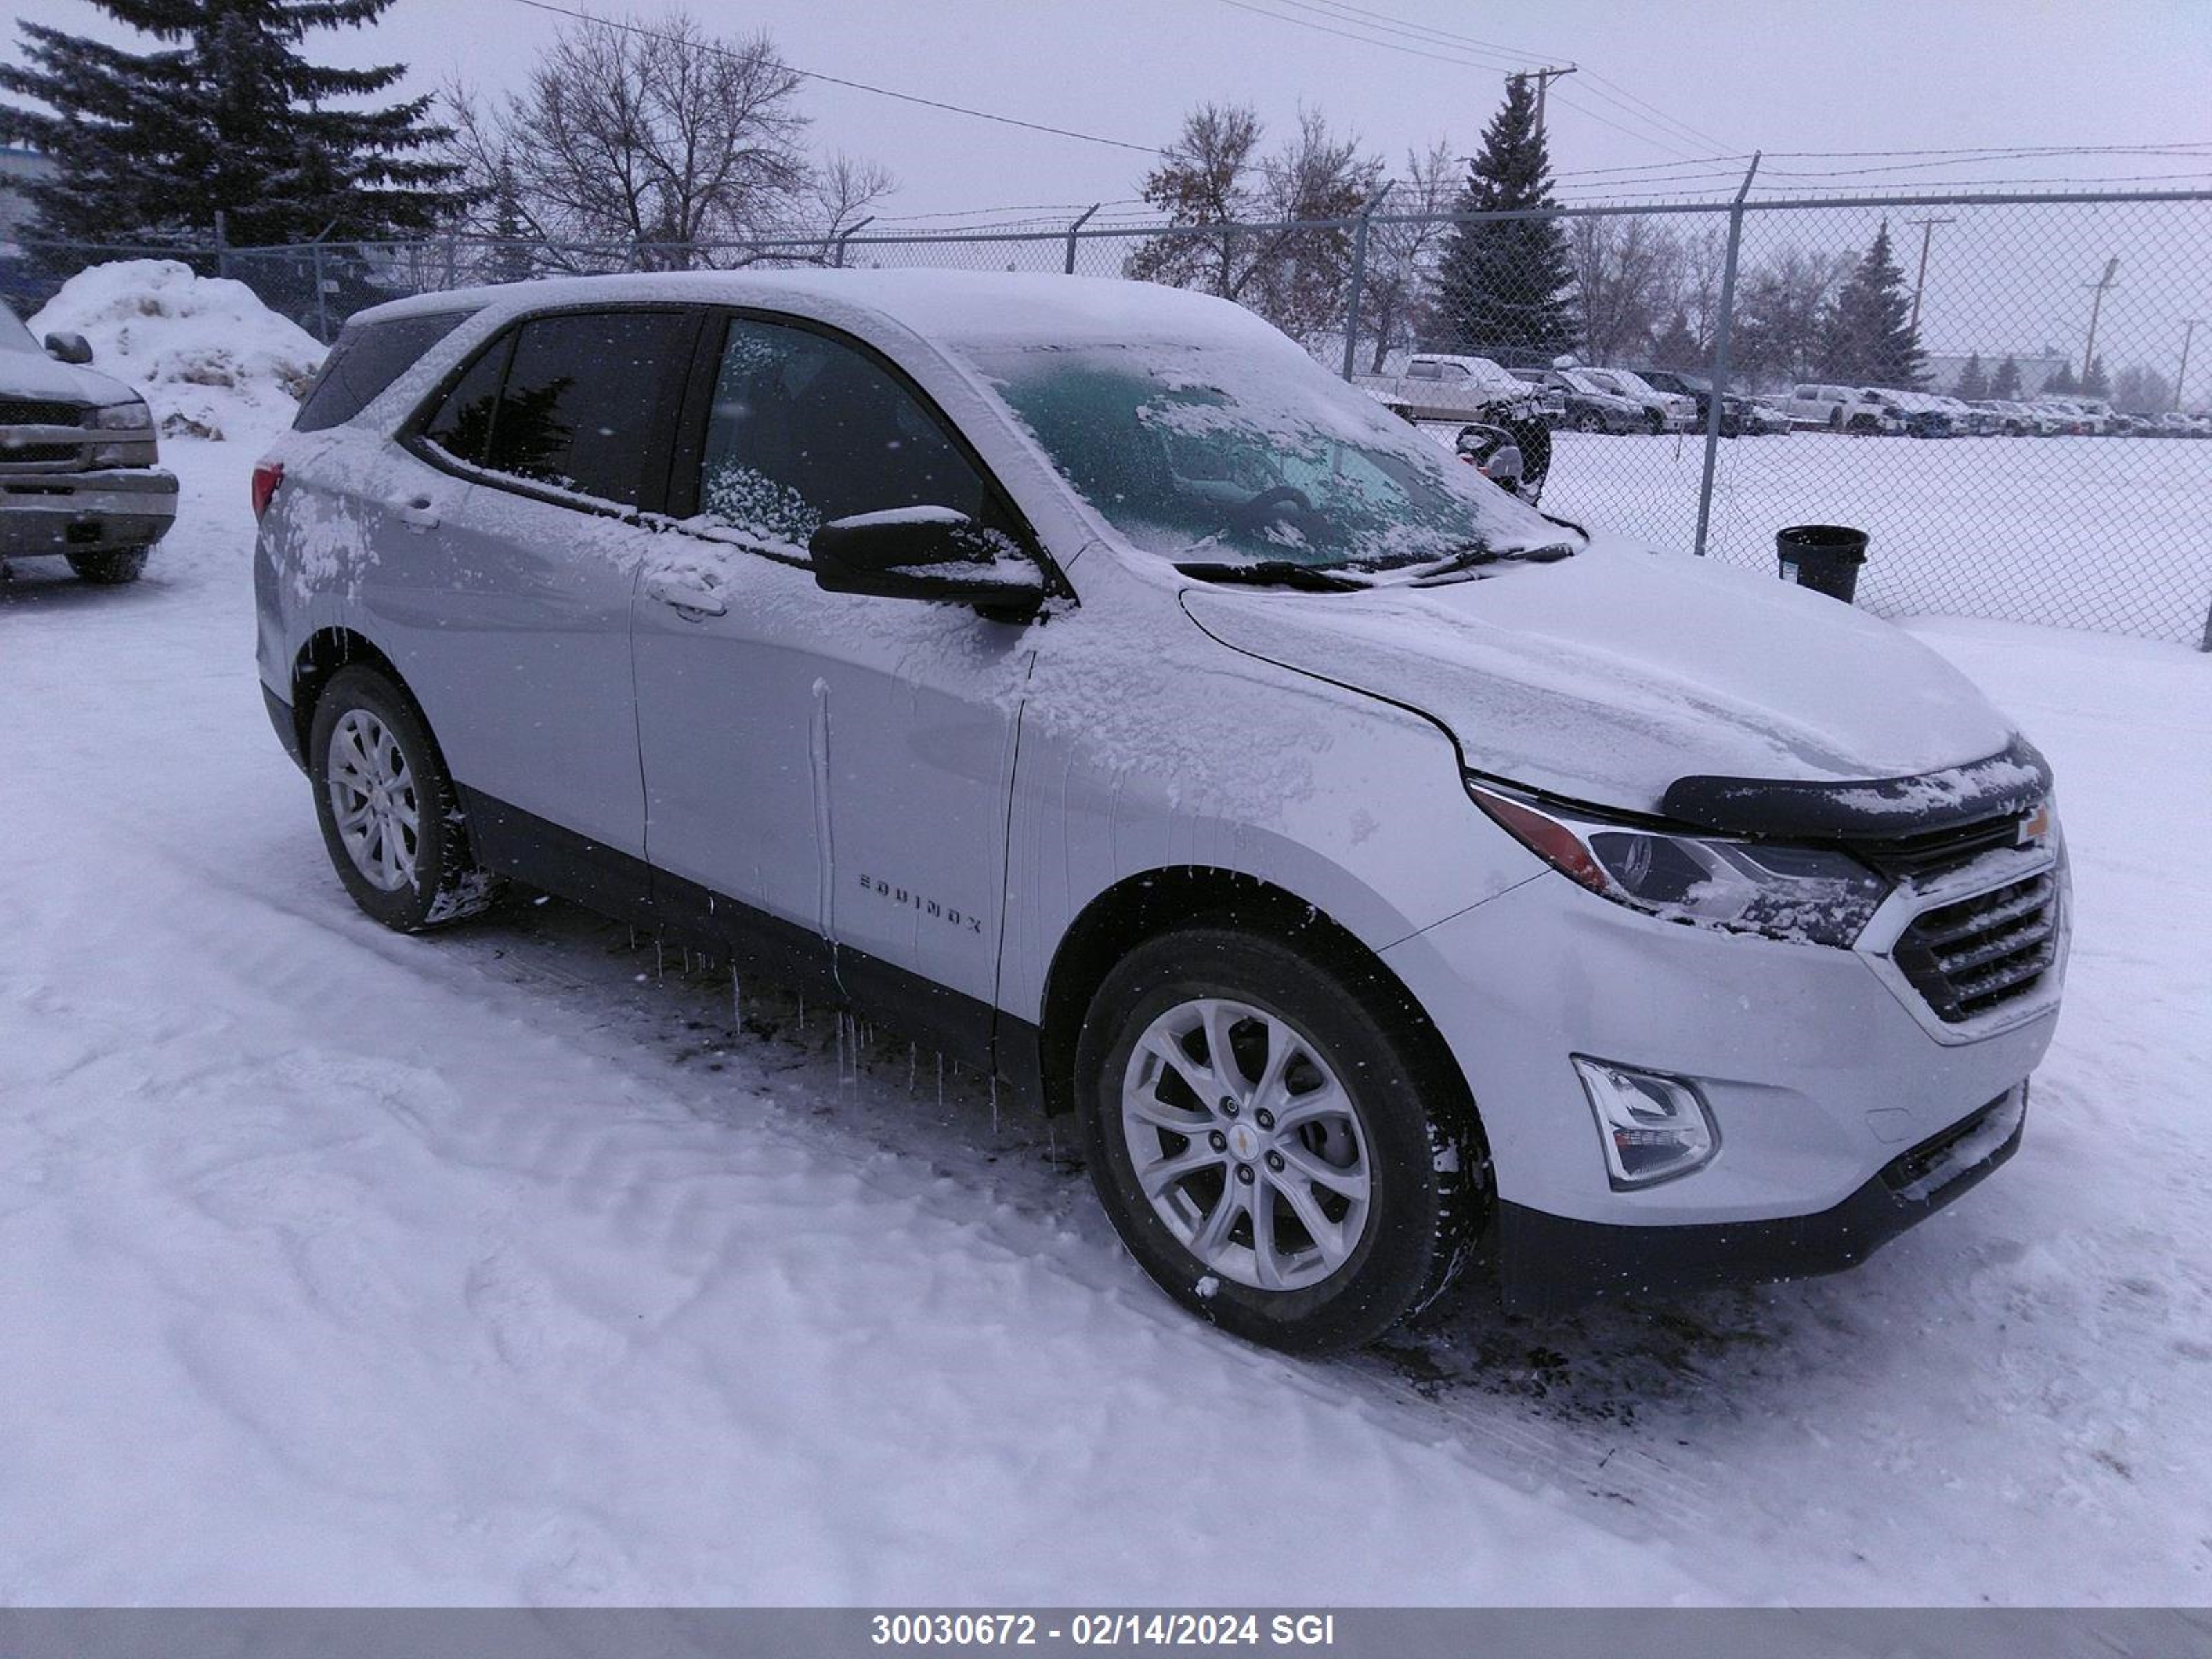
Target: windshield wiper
1476	553
1274	573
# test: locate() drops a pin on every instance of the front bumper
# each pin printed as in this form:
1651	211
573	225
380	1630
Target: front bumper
1550	1263
104	511
1820	1067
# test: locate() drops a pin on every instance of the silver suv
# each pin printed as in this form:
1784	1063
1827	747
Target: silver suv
77	478
1076	675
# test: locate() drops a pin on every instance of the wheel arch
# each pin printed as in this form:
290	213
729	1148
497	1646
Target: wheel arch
319	658
1153	901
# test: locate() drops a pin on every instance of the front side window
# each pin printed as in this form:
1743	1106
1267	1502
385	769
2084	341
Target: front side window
805	428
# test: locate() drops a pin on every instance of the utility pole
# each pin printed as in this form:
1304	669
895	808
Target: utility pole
2089	351
2188	327
1543	78
1927	230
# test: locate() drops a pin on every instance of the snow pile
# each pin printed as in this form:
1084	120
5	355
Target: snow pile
211	359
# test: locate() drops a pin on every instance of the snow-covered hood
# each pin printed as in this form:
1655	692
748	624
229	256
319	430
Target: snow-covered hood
1607	677
35	376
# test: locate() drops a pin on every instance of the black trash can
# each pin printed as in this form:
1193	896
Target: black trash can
1825	558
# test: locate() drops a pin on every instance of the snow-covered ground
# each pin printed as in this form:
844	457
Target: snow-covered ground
509	1265
2106	533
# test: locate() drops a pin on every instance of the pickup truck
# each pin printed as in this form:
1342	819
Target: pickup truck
77	478
1840	409
1445	387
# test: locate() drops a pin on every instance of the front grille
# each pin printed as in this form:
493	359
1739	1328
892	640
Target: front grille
18	411
1980	953
1937	851
26	454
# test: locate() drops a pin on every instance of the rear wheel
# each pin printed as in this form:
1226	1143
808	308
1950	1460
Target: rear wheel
1270	1145
391	818
110	569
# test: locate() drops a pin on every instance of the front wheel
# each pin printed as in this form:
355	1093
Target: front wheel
391	818
1270	1145
1589	420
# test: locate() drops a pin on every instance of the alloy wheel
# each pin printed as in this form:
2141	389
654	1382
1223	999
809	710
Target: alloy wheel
374	801
1246	1144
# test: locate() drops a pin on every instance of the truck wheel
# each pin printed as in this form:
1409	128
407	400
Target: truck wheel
1270	1145
1656	420
110	569
391	818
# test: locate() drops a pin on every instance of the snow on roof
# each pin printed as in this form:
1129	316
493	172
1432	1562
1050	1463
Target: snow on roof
973	307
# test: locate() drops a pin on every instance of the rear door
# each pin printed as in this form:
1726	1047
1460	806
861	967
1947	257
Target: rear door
840	763
508	585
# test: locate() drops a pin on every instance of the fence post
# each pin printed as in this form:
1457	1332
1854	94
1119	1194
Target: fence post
1721	357
847	235
2205	644
1358	279
221	243
322	305
1085	218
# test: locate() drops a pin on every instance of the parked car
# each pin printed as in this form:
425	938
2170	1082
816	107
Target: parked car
77	453
1443	387
2066	421
1840	409
2016	419
1918	414
1742	416
1076	676
1663	411
1585	406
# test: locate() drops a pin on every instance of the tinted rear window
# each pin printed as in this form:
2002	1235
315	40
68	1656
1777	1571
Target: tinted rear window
369	357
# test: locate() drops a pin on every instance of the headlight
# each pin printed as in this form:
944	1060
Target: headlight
133	416
1813	894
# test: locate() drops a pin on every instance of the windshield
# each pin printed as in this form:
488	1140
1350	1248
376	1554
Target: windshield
14	336
1236	452
1627	380
1580	380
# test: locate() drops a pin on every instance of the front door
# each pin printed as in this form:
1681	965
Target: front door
839	763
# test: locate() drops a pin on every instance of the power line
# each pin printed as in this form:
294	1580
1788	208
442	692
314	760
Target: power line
839	80
1440	57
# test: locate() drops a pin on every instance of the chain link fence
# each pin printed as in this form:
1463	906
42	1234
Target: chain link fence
1699	374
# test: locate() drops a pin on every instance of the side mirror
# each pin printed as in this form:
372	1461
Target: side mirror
69	348
924	553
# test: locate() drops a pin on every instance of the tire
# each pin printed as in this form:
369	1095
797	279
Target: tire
110	569
1863	423
1588	422
1656	422
407	877
1405	1140
1836	419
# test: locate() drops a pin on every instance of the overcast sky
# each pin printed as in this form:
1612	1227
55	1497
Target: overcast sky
1713	76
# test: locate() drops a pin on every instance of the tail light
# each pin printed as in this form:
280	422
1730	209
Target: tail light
266	477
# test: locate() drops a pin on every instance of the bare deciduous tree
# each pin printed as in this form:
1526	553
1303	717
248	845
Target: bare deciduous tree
1215	176
1399	254
661	140
1624	269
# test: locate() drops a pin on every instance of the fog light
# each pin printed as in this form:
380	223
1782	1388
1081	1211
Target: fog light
1653	1128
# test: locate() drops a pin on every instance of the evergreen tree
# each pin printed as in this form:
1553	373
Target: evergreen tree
2062	383
1974	380
1866	336
2007	383
225	116
1504	284
510	256
2096	383
1677	347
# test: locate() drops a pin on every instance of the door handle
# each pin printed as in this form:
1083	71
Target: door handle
417	512
684	596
